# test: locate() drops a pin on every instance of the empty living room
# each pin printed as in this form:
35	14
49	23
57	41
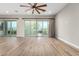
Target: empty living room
39	29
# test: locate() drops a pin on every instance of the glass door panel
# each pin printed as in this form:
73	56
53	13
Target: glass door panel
8	28
33	28
27	28
14	26
39	28
11	28
2	28
45	28
36	28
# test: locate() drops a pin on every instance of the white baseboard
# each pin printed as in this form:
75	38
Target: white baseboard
69	43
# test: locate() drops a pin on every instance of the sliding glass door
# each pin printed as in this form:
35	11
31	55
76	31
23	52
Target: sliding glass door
42	28
45	28
27	28
36	27
11	28
33	28
39	28
2	30
8	28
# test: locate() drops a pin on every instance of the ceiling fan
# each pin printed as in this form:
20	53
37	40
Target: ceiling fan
35	7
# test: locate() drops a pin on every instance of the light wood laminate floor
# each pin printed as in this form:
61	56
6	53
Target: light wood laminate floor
35	46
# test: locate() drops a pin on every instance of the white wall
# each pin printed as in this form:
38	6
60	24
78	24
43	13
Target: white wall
20	27
67	24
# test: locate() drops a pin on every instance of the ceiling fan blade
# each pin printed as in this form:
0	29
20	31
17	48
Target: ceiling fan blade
37	11
41	9
30	4
24	6
33	11
35	4
42	5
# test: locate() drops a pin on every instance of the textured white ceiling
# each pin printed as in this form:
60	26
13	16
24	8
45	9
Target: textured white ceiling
15	9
